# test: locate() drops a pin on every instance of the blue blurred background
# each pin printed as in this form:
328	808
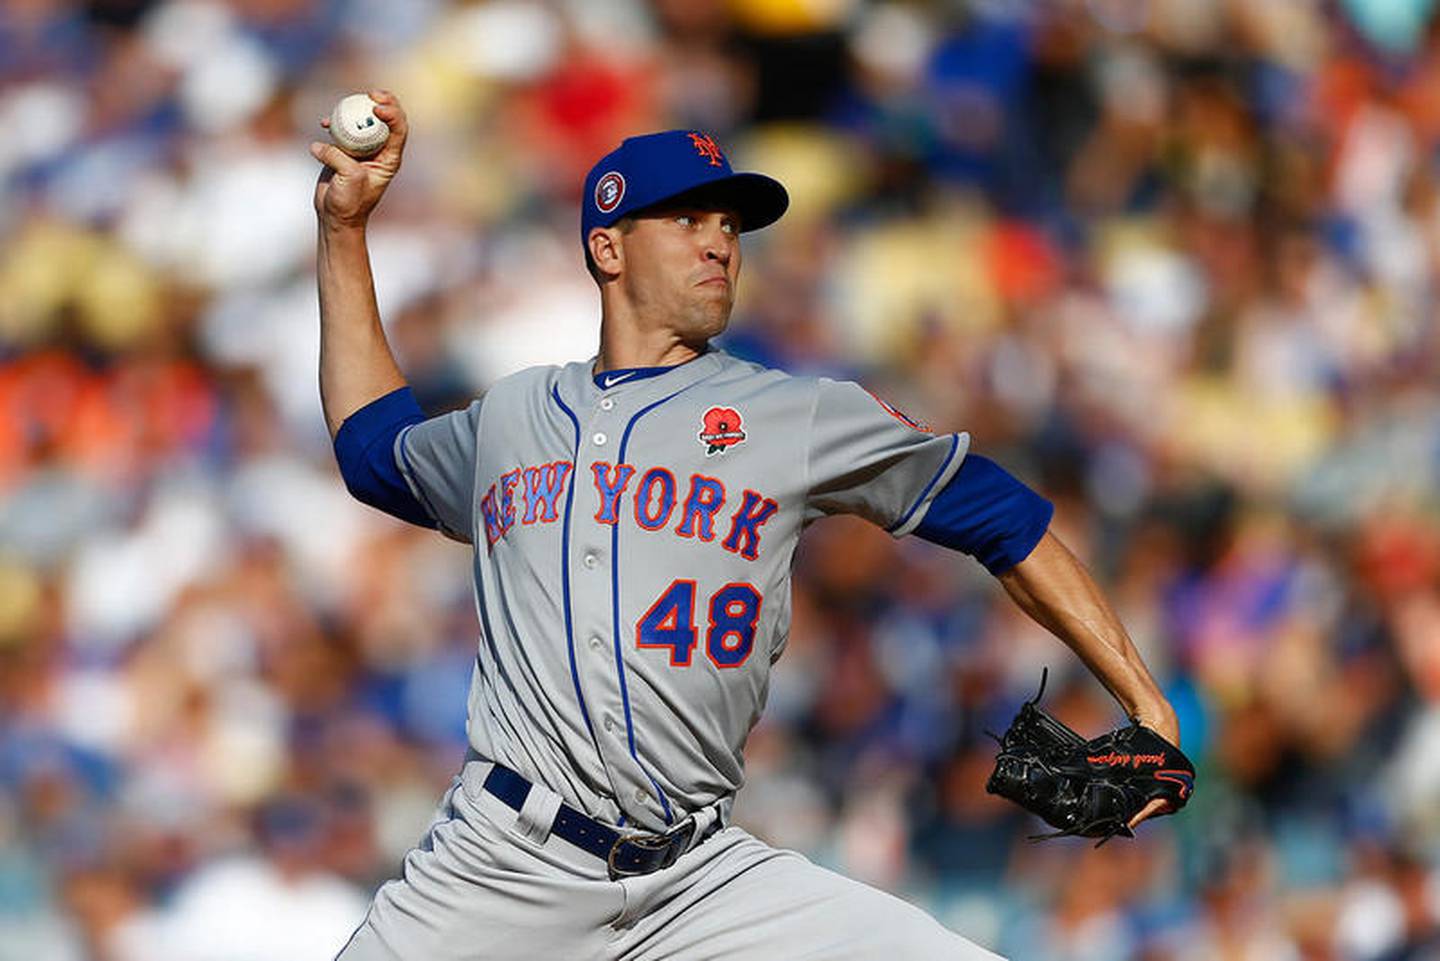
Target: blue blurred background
1172	261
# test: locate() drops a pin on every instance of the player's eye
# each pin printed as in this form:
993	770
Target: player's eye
685	220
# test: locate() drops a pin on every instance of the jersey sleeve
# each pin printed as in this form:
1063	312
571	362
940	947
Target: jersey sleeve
437	459
365	452
988	513
869	459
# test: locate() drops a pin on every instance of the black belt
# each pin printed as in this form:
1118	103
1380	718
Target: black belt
626	856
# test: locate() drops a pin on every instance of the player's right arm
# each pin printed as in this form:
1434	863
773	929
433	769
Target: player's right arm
390	455
356	366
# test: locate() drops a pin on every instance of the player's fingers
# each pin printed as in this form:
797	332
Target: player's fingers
1155	808
334	158
390	111
325	122
393	116
388	158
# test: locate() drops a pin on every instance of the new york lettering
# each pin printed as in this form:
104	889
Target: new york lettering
540	498
652	499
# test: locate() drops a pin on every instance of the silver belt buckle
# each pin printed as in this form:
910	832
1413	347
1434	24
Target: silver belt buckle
652	842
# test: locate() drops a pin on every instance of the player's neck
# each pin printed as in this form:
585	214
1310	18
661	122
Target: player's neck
625	349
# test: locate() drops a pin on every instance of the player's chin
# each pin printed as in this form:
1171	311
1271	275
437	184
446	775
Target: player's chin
710	317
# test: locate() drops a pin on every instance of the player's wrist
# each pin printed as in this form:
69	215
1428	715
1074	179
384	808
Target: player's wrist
333	227
1161	719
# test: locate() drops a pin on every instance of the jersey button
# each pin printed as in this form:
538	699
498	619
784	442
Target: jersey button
607	404
641	797
590	560
595	642
609	723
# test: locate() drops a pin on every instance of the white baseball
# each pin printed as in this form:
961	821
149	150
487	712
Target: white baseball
355	129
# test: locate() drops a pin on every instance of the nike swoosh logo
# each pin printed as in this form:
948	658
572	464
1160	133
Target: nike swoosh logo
618	378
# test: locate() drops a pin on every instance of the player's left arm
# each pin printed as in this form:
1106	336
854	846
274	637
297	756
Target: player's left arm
1054	588
986	512
867	458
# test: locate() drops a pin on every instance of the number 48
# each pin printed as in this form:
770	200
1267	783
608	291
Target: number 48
670	623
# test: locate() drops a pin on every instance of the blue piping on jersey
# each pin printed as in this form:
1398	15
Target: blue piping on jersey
565	569
954	444
615	606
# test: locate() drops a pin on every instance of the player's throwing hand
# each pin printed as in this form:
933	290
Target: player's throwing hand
349	189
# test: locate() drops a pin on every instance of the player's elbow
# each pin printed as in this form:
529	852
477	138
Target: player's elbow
365	453
370	487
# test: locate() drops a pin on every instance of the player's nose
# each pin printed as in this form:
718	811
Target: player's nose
719	244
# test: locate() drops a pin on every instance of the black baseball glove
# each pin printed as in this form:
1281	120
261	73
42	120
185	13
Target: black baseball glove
1087	788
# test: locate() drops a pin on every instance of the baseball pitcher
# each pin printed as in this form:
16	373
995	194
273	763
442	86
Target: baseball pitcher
634	517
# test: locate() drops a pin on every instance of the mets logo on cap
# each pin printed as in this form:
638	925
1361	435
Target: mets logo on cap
707	148
720	429
609	191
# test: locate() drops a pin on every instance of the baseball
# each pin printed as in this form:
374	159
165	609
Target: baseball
355	129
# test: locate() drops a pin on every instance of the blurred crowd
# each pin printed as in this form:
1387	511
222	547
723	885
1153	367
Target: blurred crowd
1172	261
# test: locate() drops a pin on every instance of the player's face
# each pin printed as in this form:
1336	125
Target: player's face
681	267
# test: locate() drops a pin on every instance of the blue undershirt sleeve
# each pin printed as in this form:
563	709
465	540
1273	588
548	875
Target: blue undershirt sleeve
987	513
365	451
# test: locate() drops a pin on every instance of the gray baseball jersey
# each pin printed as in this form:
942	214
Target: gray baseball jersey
633	548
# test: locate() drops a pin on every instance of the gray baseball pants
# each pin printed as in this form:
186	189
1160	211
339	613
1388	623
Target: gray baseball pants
487	882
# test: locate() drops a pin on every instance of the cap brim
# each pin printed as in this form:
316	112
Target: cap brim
757	199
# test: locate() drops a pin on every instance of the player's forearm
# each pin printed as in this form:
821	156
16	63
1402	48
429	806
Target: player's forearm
356	365
1054	588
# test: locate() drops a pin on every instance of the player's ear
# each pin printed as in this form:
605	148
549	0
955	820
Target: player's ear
605	251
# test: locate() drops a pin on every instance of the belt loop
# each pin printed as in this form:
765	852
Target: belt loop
723	808
473	774
538	815
707	822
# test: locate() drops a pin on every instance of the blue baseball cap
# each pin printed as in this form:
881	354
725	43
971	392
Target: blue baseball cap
646	170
